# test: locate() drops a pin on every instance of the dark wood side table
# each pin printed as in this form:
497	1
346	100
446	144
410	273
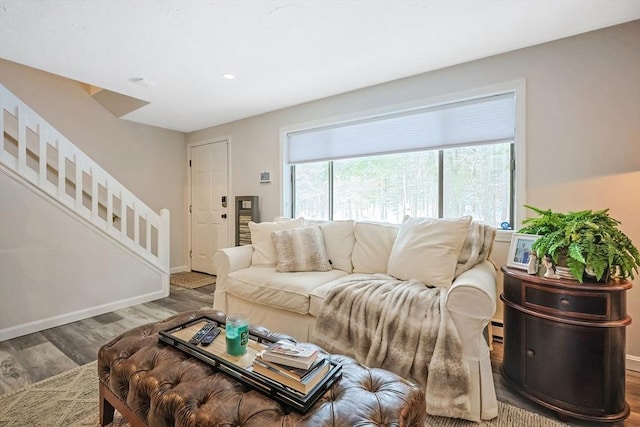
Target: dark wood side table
564	344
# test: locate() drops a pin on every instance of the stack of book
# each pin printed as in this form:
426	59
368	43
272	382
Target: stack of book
297	366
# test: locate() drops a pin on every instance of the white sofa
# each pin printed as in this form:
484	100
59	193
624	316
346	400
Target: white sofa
289	302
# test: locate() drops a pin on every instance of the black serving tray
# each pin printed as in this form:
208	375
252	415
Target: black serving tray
240	367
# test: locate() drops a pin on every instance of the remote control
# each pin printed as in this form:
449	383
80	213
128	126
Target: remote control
211	335
195	340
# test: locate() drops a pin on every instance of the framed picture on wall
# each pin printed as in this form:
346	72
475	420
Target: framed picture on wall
520	250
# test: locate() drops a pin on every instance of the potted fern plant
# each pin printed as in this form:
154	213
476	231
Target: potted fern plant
588	242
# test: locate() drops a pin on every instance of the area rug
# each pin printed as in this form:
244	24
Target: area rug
63	400
191	279
71	399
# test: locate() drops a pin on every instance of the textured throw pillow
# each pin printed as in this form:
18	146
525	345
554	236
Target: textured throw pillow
300	249
427	249
264	253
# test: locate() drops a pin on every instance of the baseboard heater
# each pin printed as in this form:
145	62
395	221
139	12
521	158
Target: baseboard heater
496	330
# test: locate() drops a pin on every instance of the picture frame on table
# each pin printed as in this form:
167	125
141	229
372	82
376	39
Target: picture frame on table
520	250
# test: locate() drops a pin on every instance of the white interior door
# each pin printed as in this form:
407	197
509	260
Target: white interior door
209	222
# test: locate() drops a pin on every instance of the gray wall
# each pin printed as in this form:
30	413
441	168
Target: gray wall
56	268
582	129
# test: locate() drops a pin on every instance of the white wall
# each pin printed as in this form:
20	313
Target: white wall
582	129
149	161
56	268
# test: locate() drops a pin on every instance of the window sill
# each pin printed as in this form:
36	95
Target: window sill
504	235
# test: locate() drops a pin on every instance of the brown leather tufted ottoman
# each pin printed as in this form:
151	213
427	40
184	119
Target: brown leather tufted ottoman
153	384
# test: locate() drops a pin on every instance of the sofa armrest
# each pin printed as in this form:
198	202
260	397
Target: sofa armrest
231	259
473	293
471	302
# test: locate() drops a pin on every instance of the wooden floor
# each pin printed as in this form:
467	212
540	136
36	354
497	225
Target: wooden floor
37	356
40	355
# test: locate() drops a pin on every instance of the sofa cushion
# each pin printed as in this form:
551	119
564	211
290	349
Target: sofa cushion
264	254
300	249
372	248
286	291
317	297
339	239
427	249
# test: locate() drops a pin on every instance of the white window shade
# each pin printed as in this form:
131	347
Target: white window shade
479	121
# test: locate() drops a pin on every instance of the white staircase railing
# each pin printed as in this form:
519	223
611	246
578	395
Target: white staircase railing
37	152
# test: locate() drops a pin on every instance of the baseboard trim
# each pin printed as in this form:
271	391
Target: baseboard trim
179	269
52	322
633	363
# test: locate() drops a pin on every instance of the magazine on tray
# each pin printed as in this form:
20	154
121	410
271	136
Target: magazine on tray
304	385
296	355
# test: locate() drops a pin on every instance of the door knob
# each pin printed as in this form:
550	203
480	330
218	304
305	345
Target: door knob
223	215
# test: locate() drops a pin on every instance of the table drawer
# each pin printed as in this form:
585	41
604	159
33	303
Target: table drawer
582	305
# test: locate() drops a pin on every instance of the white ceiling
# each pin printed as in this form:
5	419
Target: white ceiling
282	53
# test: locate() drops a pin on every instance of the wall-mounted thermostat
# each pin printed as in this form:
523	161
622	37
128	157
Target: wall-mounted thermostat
265	177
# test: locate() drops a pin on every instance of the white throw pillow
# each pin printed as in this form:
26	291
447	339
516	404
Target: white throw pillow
427	249
312	222
300	249
374	241
264	253
339	239
282	219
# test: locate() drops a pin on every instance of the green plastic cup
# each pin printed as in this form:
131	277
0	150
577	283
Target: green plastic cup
237	334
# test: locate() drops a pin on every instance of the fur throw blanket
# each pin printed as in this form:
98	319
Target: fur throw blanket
400	326
476	247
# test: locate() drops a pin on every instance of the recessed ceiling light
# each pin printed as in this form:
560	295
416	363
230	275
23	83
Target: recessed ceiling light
228	76
141	81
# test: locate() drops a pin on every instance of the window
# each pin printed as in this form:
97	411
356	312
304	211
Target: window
445	161
311	190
